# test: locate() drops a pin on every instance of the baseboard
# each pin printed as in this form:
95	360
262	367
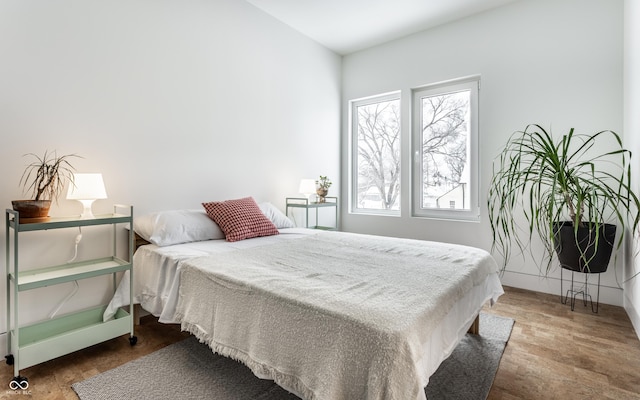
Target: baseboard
546	284
633	314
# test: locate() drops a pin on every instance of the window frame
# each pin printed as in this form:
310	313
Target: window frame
471	83
353	152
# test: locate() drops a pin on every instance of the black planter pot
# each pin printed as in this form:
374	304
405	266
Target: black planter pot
582	255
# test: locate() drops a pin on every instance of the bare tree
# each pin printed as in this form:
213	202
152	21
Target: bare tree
444	145
379	151
444	138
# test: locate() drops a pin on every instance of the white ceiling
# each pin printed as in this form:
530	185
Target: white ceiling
345	26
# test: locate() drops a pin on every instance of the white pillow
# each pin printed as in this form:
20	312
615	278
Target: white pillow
165	228
276	216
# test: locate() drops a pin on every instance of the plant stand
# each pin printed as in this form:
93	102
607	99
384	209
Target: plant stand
583	290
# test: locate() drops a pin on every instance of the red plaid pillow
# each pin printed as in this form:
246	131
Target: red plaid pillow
240	219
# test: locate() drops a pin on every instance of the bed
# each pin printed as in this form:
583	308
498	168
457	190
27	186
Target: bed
326	315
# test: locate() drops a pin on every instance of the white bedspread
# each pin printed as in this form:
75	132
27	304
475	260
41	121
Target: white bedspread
156	275
337	315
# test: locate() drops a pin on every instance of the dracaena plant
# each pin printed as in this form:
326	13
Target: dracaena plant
539	181
45	177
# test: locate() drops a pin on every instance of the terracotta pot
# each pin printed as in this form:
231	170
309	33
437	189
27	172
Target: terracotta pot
30	209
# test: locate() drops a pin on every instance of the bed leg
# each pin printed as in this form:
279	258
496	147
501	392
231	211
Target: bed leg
474	329
139	312
137	309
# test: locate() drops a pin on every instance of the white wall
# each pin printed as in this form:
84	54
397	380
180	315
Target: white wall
632	137
176	102
557	63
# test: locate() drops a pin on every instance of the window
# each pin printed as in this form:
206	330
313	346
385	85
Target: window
445	148
375	157
443	153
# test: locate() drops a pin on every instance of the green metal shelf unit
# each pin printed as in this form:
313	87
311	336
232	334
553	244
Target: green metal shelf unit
304	203
45	340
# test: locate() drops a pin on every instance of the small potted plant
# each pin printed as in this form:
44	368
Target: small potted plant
570	191
44	178
322	188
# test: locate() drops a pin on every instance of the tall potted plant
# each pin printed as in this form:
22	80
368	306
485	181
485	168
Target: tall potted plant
44	178
570	191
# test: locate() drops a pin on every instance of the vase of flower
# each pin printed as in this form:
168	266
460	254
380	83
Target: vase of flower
322	194
322	188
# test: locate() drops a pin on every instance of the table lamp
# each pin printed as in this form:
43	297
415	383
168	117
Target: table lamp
87	188
307	188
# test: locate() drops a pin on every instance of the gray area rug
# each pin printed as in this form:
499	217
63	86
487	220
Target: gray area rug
190	370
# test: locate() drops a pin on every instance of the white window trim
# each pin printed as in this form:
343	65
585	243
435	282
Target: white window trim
353	152
471	83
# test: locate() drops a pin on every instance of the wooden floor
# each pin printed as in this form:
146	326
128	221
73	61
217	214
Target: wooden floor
556	353
553	353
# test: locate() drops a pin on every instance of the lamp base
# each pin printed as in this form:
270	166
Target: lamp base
86	212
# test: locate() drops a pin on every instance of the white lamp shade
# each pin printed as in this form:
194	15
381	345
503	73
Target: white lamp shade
87	187
307	187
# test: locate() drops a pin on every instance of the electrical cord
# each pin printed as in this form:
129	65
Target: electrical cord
78	239
77	286
62	303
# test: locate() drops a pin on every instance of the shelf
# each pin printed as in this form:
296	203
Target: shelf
323	228
41	341
42	277
311	205
306	205
68	222
68	333
299	202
